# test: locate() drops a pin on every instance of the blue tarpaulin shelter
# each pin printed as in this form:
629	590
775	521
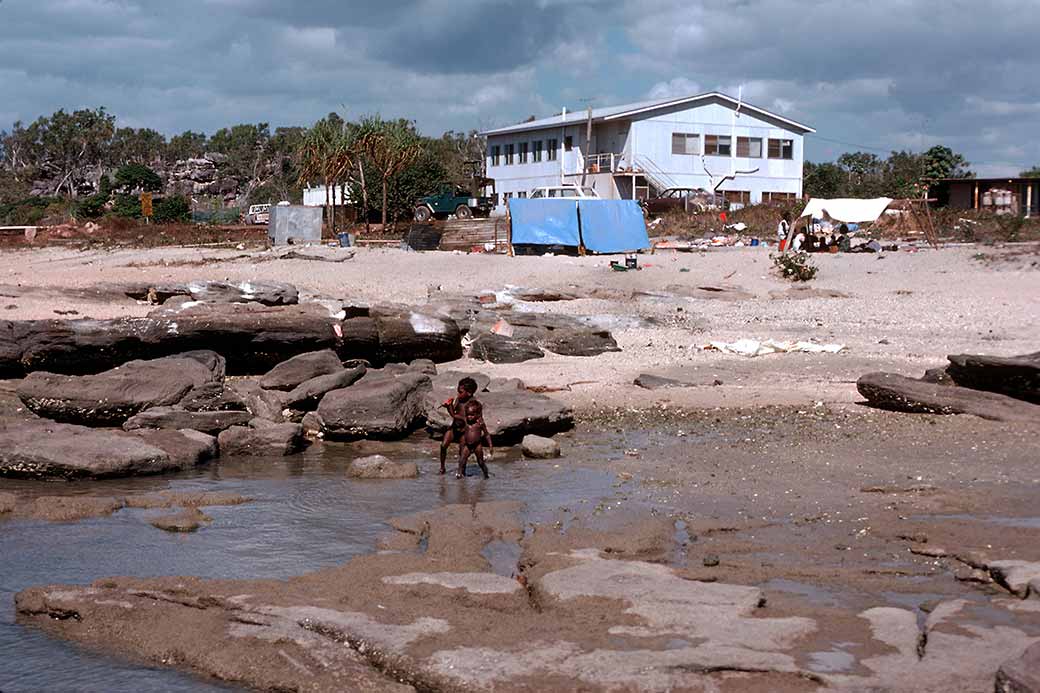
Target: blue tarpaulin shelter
612	226
600	226
544	222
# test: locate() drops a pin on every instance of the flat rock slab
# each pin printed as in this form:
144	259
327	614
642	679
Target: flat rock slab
897	392
379	467
112	397
379	405
211	422
1014	376
35	448
73	508
187	520
299	369
1020	675
510	414
496	348
262	438
307	395
267	293
648	381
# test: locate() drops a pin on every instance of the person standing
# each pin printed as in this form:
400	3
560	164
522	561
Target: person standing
783	230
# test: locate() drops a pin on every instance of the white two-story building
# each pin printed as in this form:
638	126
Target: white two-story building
710	141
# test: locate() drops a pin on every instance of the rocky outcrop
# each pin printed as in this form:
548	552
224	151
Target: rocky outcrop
211	422
899	393
1014	376
1020	675
298	369
36	448
252	338
380	405
262	437
112	397
307	395
264	292
516	337
510	412
495	348
379	467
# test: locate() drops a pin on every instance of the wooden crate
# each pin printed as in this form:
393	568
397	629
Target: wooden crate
468	234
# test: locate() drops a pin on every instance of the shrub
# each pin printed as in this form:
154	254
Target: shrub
795	266
172	209
137	177
91	207
128	206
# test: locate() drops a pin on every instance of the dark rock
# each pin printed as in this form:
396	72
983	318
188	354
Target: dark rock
308	394
540	448
1022	674
187	520
656	382
186	448
379	467
263	404
938	376
711	560
211	422
213	396
509	414
7	502
112	397
377	406
496	348
584	342
410	335
312	424
891	391
262	438
299	369
1014	376
267	293
448	381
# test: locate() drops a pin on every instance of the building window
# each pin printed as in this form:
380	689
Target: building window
686	143
523	153
509	155
781	149
568	143
536	150
737	196
496	155
522	194
717	145
749	147
507	196
552	150
778	197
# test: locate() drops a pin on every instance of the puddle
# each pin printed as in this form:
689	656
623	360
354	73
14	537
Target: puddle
503	557
812	593
832	661
306	514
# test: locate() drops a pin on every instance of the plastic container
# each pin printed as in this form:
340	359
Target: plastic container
631	262
754	241
344	240
783	245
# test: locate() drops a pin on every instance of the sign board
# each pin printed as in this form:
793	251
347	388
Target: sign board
146	204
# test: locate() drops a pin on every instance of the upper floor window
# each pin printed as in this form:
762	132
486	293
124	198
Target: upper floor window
523	153
552	151
536	150
509	154
717	145
496	155
749	147
568	143
781	149
686	143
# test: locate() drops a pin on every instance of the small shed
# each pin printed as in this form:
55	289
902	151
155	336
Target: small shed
294	224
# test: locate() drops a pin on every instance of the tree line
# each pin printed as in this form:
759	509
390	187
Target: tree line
384	165
902	175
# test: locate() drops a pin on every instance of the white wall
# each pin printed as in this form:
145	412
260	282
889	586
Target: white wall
649	139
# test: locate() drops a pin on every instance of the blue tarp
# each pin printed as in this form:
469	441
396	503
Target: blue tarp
612	226
544	222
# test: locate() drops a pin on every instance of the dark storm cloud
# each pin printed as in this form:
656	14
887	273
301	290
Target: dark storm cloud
888	73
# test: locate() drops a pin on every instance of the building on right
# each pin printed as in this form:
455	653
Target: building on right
1019	196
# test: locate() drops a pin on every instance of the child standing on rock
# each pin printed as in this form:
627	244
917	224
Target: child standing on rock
474	436
456	407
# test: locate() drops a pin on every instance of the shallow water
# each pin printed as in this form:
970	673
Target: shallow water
306	515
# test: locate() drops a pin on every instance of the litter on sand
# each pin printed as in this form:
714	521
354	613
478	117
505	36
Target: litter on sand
754	347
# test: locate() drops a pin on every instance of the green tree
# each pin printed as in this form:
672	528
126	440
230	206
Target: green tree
904	174
823	180
328	152
187	145
943	162
136	146
67	145
390	147
245	147
172	209
137	178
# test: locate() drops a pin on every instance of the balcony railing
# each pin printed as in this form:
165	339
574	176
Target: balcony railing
607	163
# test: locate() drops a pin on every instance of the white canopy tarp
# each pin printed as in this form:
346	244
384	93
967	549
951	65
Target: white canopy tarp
849	210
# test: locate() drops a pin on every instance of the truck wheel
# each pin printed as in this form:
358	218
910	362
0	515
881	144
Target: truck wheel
423	213
463	212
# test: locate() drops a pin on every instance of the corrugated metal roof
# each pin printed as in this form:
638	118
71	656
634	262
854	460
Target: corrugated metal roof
615	112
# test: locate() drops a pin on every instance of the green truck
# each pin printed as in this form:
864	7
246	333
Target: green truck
453	199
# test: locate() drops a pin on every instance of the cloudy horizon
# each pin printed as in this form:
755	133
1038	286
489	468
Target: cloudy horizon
880	76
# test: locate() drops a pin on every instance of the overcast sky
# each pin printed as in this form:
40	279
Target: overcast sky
885	74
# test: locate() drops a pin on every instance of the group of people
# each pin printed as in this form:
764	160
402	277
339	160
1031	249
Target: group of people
467	428
810	239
